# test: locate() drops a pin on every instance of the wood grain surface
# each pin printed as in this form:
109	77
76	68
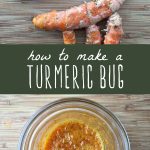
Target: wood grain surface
16	26
132	110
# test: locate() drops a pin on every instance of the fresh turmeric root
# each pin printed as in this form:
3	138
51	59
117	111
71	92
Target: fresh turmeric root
77	17
83	16
69	37
93	35
114	30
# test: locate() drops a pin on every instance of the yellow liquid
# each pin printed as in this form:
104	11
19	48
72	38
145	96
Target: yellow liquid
76	130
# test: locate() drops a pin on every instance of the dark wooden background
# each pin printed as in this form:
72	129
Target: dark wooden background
16	26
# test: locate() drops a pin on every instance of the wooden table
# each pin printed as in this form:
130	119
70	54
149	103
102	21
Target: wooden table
132	110
16	26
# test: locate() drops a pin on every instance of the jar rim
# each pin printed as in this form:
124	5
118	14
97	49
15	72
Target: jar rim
68	100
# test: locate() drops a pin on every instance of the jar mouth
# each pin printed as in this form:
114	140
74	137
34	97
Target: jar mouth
73	102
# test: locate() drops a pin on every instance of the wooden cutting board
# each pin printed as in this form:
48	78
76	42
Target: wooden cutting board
16	26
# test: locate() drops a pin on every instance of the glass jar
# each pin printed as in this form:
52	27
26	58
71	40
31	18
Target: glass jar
109	128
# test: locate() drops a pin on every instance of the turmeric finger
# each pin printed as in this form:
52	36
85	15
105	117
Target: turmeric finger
93	35
77	17
69	37
114	30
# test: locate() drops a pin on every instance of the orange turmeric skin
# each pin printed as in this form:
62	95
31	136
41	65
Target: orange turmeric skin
93	35
83	16
69	37
73	18
114	30
114	35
